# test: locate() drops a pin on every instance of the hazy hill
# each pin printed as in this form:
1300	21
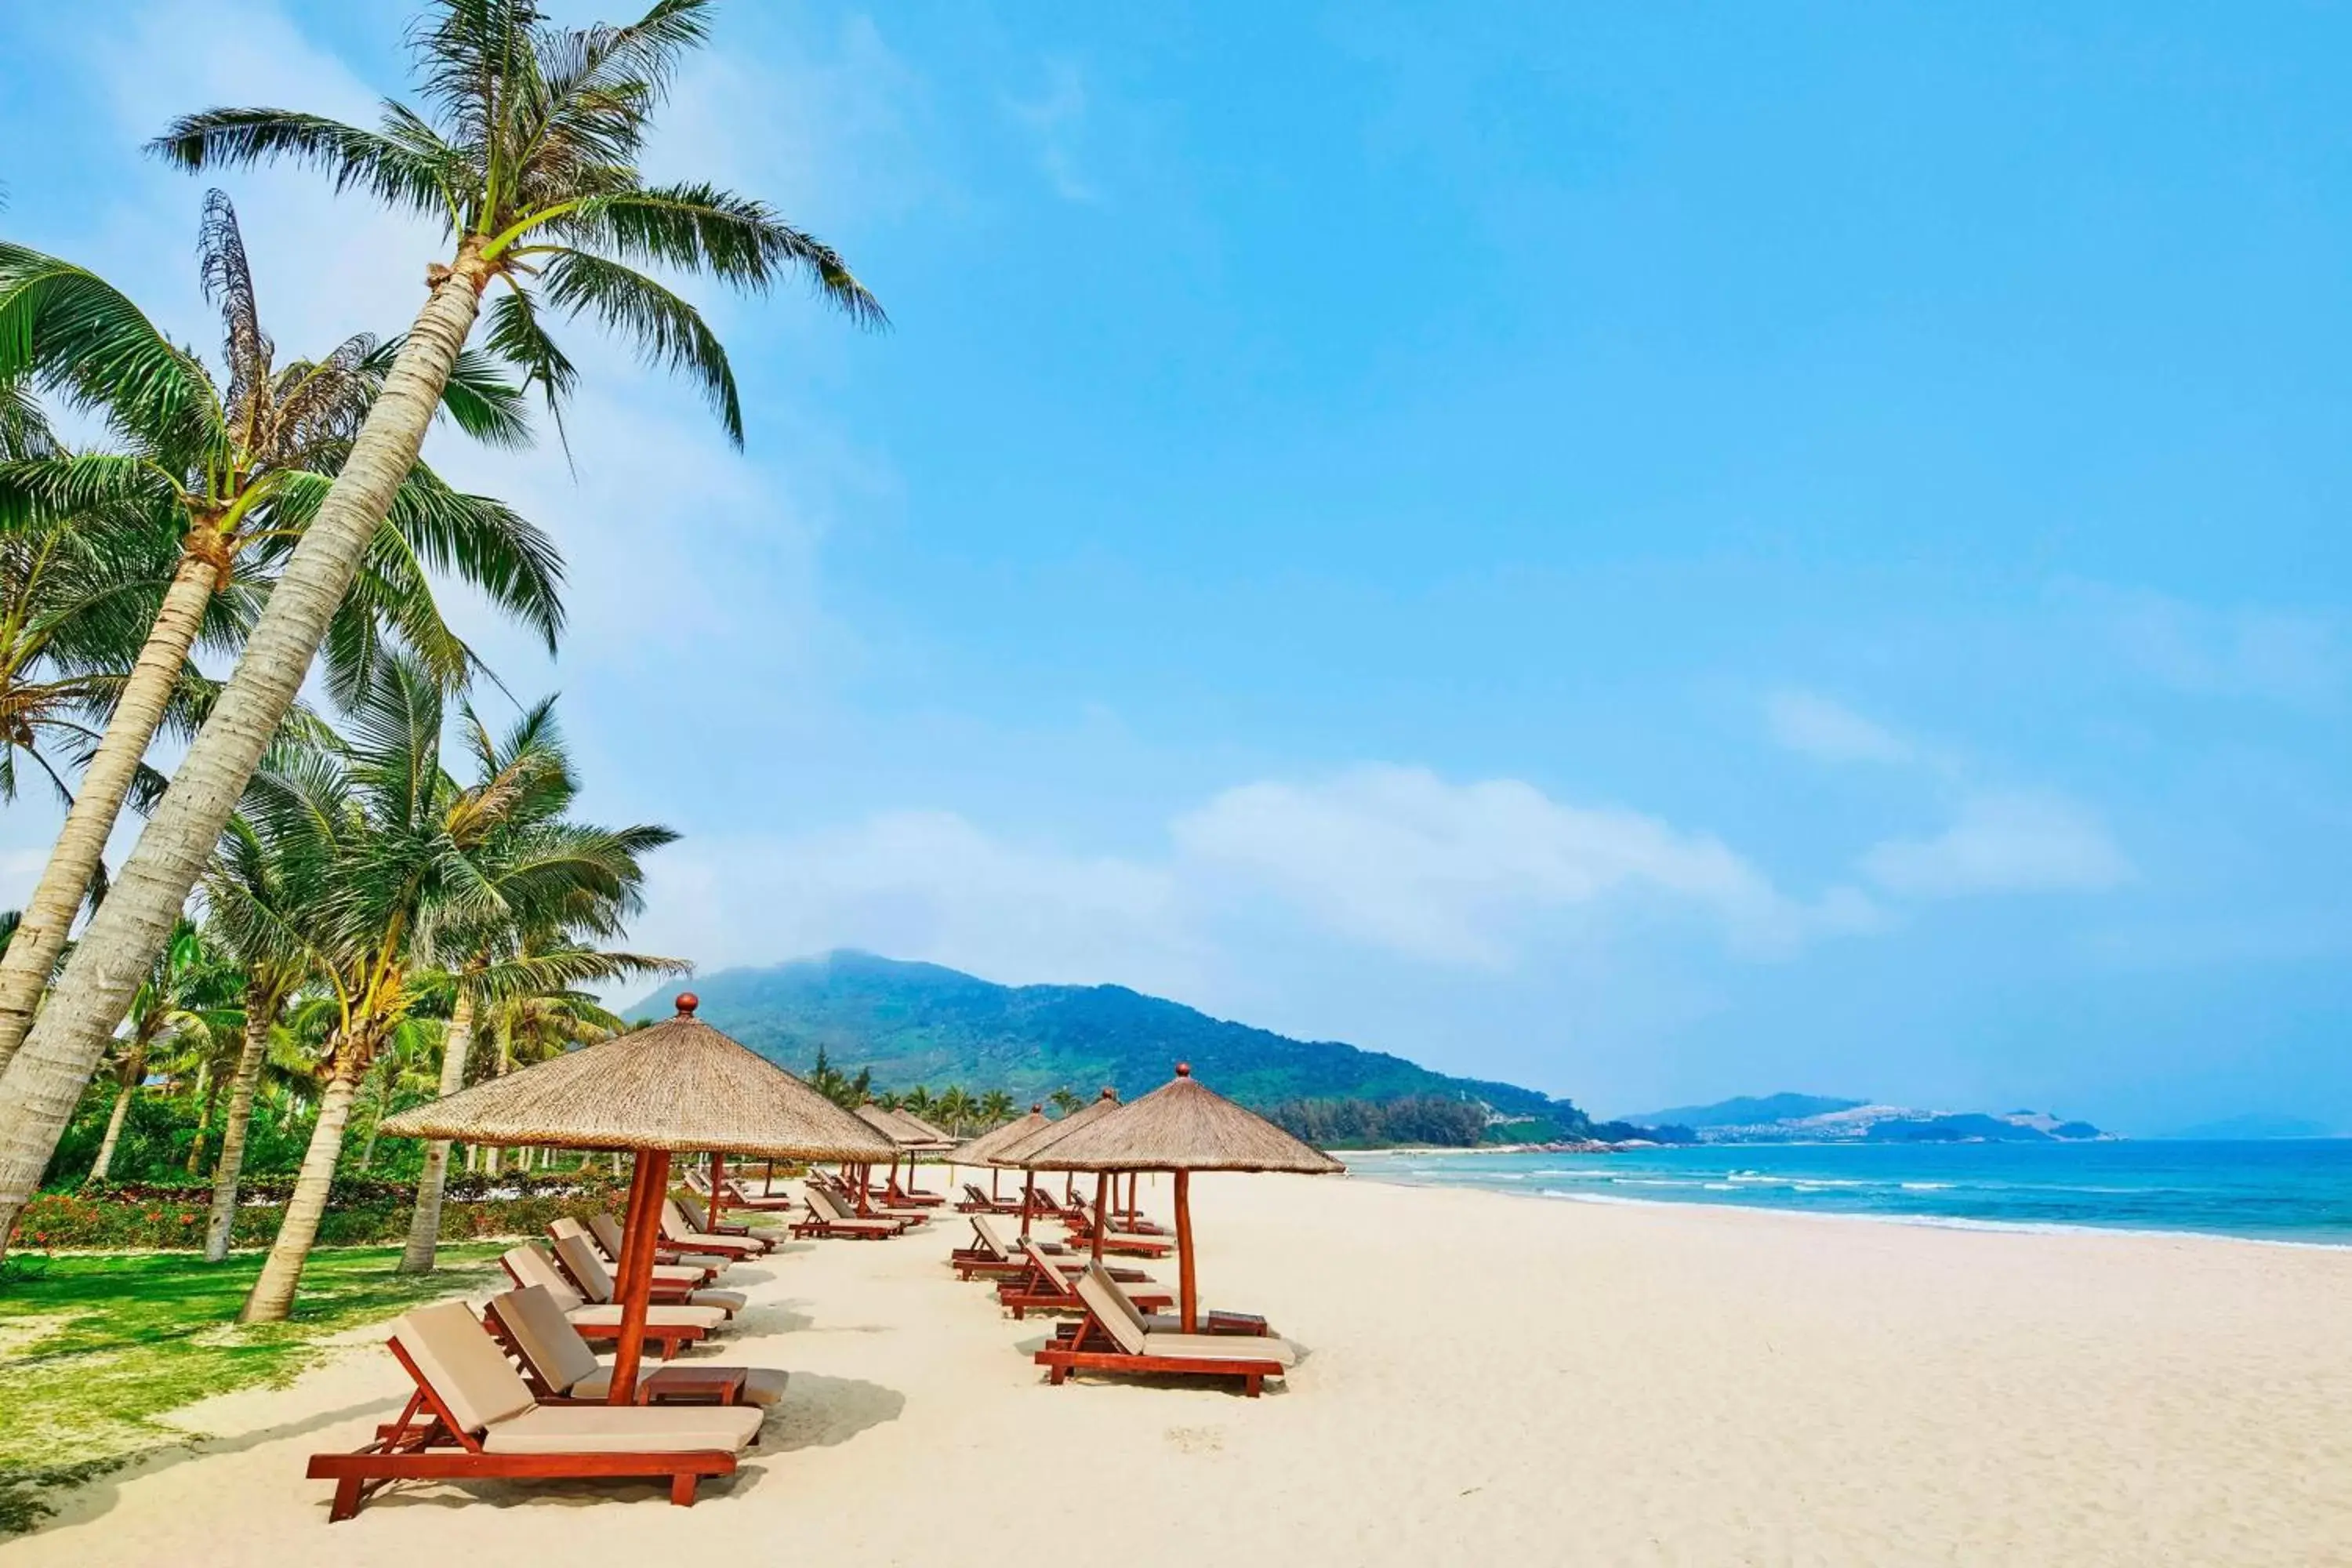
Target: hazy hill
1745	1110
922	1022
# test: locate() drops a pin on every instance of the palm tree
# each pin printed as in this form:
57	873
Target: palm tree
392	854
177	1003
218	484
1067	1100
561	886
954	1106
527	155
994	1109
256	921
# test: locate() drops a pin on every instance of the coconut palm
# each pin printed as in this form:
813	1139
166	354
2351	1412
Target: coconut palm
216	484
562	887
954	1107
527	153
391	859
993	1109
251	891
179	1003
1067	1100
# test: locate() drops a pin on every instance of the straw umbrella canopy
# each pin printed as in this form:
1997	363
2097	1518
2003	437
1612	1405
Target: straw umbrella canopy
927	1129
680	1087
1016	1155
1183	1126
984	1149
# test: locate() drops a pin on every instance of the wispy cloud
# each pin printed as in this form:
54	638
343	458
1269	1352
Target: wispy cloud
2282	656
2004	843
1055	120
1820	726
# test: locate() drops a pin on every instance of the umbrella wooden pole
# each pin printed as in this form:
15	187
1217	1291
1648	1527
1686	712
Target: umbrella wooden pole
1185	1291
995	1176
1028	1200
648	1184
717	1188
1102	1211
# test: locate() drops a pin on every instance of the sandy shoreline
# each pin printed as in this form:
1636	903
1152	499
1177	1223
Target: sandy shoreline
1550	1382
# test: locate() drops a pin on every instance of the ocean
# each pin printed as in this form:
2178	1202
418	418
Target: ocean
2290	1190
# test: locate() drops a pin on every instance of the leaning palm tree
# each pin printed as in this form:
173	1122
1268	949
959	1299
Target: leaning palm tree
527	153
562	888
220	481
389	853
254	898
173	1002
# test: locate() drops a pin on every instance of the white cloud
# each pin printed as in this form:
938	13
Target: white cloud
1403	860
1815	725
2007	843
2277	655
927	885
1055	118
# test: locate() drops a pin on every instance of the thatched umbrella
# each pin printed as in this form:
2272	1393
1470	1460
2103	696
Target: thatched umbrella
984	1149
1017	1155
1183	1126
680	1087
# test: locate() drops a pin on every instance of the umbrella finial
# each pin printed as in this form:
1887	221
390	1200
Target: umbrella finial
1184	1070
687	1003
1037	1108
1109	1092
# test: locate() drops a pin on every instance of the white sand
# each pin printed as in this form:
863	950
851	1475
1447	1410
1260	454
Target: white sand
1489	1376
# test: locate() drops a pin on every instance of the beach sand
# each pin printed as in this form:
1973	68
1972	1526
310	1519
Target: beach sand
1487	1377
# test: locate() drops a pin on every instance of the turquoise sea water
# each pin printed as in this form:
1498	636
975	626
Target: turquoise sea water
2285	1191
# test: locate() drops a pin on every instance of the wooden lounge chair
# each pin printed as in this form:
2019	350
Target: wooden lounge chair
1113	1337
994	1256
877	1205
473	1418
1214	1320
679	1232
600	1322
911	1198
741	1197
607	1233
667	1277
560	1367
1132	1243
977	1202
1044	1287
580	1263
828	1217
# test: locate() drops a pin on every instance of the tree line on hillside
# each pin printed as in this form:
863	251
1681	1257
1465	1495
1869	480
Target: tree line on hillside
327	912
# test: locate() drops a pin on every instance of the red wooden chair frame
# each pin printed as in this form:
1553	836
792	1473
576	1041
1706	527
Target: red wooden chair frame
1033	1291
1090	1348
438	1449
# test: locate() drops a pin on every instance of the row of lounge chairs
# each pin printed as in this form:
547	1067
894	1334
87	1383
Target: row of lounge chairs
478	1415
1123	1324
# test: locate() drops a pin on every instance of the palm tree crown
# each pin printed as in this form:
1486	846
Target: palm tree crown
527	153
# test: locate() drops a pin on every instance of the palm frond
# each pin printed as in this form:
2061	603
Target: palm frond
668	331
392	169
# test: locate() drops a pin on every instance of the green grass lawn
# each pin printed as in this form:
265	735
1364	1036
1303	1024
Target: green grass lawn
93	1348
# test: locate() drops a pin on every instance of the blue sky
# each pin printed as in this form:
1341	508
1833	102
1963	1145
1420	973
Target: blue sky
1652	552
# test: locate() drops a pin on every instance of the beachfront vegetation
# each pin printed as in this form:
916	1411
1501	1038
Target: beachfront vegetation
525	150
92	1350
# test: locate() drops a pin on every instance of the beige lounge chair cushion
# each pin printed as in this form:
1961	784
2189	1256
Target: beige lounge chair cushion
607	1315
1108	1308
607	1232
549	1343
761	1384
1222	1347
982	1227
680	1231
462	1364
726	1301
529	1266
623	1430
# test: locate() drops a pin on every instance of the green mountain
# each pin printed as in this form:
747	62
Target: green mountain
923	1024
1744	1111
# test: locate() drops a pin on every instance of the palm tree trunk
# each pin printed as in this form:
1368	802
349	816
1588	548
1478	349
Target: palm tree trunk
45	1079
208	1090
273	1294
65	881
105	1161
240	1116
424	1225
